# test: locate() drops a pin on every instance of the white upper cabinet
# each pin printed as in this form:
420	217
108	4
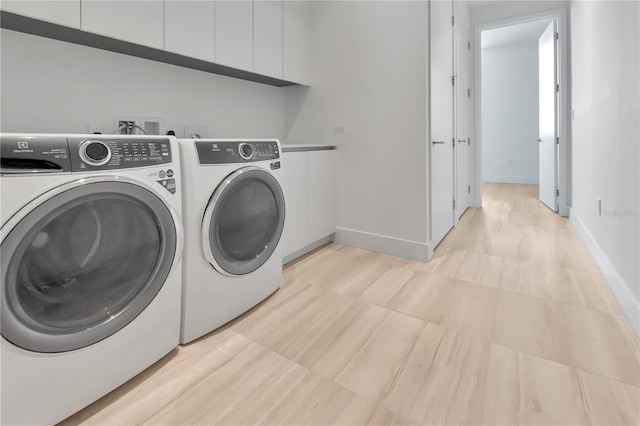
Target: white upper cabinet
140	22
267	37
189	28
234	33
64	12
295	24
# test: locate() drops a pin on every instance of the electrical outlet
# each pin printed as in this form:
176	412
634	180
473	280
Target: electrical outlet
510	162
338	130
127	127
127	123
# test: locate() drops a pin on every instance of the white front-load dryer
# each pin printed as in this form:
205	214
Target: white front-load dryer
91	267
234	212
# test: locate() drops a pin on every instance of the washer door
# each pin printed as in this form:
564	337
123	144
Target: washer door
243	222
83	264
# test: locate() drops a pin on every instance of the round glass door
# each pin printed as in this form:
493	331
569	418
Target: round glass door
244	221
84	264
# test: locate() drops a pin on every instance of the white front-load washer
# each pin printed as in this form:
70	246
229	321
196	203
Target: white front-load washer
91	245
234	213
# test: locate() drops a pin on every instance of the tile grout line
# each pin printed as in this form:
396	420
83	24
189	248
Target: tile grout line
376	401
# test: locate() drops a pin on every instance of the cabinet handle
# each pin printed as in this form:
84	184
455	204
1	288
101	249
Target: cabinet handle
438	142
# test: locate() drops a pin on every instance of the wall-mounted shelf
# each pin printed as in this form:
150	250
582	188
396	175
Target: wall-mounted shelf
15	22
307	147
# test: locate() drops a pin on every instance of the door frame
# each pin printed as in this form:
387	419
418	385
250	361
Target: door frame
560	15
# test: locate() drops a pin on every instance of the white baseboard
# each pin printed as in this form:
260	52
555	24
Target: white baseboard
530	180
306	249
384	244
618	286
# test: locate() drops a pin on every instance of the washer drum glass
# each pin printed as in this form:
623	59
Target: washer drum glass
246	218
84	264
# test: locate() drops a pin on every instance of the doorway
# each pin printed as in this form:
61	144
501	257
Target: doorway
518	109
521	106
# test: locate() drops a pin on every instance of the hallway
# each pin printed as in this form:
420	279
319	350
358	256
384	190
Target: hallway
511	323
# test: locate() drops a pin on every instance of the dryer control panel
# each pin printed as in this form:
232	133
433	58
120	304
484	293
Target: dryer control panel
229	152
105	153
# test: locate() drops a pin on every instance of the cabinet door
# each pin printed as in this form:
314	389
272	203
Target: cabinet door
234	33
140	22
65	12
321	186
189	28
295	25
267	37
294	166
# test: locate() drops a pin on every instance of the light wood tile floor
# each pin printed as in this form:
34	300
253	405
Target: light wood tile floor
511	323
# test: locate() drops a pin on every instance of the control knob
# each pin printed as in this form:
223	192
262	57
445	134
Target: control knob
95	153
246	151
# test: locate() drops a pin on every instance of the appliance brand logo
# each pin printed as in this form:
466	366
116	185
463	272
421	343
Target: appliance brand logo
23	145
214	146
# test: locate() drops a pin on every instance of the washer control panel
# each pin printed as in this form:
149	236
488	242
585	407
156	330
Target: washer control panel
104	153
228	152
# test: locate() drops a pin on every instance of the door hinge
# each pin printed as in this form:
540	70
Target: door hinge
557	192
453	80
453	20
468	93
453	142
469	141
557	140
468	189
556	36
468	45
454	203
557	87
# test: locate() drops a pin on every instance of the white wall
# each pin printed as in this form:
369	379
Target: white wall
52	86
369	62
606	138
510	113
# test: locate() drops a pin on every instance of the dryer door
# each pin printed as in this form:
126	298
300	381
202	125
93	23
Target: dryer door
243	222
83	263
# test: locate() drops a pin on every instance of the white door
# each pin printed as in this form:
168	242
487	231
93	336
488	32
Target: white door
442	95
547	116
462	114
